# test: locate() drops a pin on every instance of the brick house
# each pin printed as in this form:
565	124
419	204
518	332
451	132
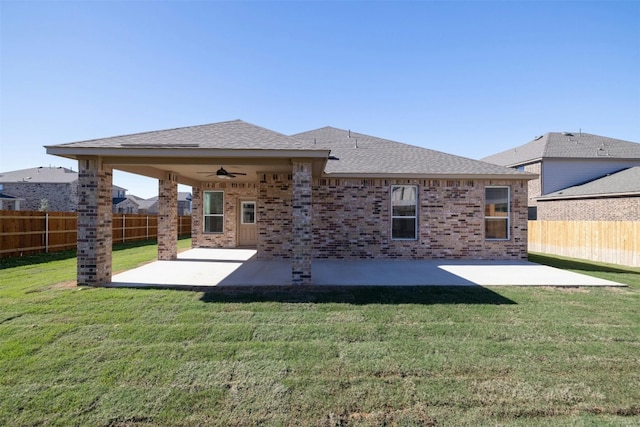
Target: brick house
41	188
327	193
564	160
614	197
135	204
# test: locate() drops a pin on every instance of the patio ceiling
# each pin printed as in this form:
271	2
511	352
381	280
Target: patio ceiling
195	166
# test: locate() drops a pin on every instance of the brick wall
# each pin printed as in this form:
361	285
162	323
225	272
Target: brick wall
232	192
351	219
535	185
95	221
605	209
302	235
274	216
61	197
168	217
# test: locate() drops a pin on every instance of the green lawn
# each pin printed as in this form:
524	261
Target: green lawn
369	356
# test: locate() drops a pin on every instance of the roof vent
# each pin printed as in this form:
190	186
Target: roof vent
567	133
538	137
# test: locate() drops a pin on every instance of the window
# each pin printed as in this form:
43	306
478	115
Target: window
532	213
213	211
248	213
496	213
404	212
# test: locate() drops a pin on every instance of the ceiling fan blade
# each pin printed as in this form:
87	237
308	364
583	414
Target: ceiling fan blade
221	173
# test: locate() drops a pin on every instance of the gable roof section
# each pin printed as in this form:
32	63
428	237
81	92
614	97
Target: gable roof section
235	134
567	145
183	196
623	183
42	175
356	154
138	201
9	197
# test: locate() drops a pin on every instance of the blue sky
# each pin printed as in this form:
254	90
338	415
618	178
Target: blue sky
468	78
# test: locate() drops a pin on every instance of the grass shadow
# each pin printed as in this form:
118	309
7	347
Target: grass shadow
358	295
575	264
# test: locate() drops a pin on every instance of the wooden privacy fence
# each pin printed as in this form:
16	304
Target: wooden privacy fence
29	232
616	242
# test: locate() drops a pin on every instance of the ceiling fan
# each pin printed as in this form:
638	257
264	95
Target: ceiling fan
223	173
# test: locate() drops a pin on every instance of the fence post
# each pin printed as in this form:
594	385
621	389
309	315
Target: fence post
46	232
123	228
147	217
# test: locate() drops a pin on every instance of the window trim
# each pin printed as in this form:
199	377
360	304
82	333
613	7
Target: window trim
242	203
205	215
415	217
507	218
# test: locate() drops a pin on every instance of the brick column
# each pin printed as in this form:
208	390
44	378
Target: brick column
168	217
301	240
94	222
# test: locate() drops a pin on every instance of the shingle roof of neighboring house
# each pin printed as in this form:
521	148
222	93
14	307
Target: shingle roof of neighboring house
146	204
625	182
5	196
567	145
356	153
139	201
236	134
40	174
182	196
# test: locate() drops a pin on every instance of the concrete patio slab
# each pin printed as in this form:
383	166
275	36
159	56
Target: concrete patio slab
202	268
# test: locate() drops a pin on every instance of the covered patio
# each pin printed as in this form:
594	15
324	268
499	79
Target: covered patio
203	269
208	158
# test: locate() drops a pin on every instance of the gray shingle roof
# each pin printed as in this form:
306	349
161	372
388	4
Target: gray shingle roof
42	174
567	145
235	134
357	153
182	196
372	156
625	182
9	197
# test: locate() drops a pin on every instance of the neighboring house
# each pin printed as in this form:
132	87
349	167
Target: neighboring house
118	195
615	197
184	203
8	202
42	188
564	160
133	205
327	193
56	189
